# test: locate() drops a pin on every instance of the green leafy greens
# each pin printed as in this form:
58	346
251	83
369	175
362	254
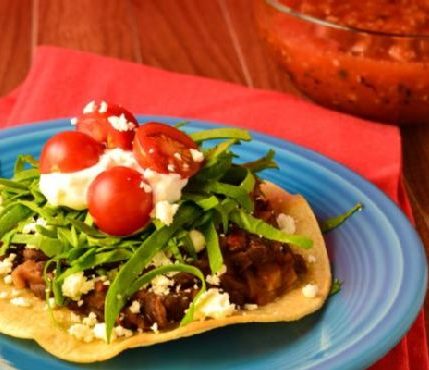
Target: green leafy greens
219	195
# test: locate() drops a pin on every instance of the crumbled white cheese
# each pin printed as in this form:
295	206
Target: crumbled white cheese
213	304
135	307
171	167
90	320
161	285
16	292
160	259
120	331
80	303
82	332
4	295
74	317
120	157
286	223
90	107
310	290
146	187
311	258
73	121
75	285
21	302
103	107
165	211
198	240
177	156
154	327
7	264
214	279
8	279
120	123
31	226
250	306
166	186
100	332
197	156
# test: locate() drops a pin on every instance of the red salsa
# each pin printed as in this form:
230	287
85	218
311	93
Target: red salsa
372	61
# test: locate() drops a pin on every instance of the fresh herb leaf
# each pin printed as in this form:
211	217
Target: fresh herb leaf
11	216
237	193
214	253
23	160
118	292
204	202
12	184
335	287
50	246
181	124
336	221
258	227
221	133
263	163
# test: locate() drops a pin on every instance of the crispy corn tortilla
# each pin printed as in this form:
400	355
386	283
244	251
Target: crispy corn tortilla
35	322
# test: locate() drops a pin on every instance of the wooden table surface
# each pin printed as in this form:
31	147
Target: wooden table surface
213	38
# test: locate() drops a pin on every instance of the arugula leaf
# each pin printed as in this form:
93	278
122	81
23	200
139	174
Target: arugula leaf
237	193
215	170
336	221
221	133
204	202
22	160
262	163
224	209
10	216
119	292
50	246
185	241
26	175
181	124
214	253
258	227
12	184
335	287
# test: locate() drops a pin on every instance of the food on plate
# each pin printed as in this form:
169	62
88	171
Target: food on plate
105	248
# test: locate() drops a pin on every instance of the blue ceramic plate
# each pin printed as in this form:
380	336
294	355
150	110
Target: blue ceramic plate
377	255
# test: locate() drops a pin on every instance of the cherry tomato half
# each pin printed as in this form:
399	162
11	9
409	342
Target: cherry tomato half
69	151
165	149
98	124
119	201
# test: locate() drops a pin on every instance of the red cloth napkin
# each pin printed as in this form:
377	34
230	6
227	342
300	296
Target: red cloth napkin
61	81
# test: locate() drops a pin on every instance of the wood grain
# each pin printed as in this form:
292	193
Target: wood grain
15	42
187	36
99	26
258	67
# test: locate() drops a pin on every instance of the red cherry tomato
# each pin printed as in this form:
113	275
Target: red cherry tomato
165	149
119	202
69	151
97	125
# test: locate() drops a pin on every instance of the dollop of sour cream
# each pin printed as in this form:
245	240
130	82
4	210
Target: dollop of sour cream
71	189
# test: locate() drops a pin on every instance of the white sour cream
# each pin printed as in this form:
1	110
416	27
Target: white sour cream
70	189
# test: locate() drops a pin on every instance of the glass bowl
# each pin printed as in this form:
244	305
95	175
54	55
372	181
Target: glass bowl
377	75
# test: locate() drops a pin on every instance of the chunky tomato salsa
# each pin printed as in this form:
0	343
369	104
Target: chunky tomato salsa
376	69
